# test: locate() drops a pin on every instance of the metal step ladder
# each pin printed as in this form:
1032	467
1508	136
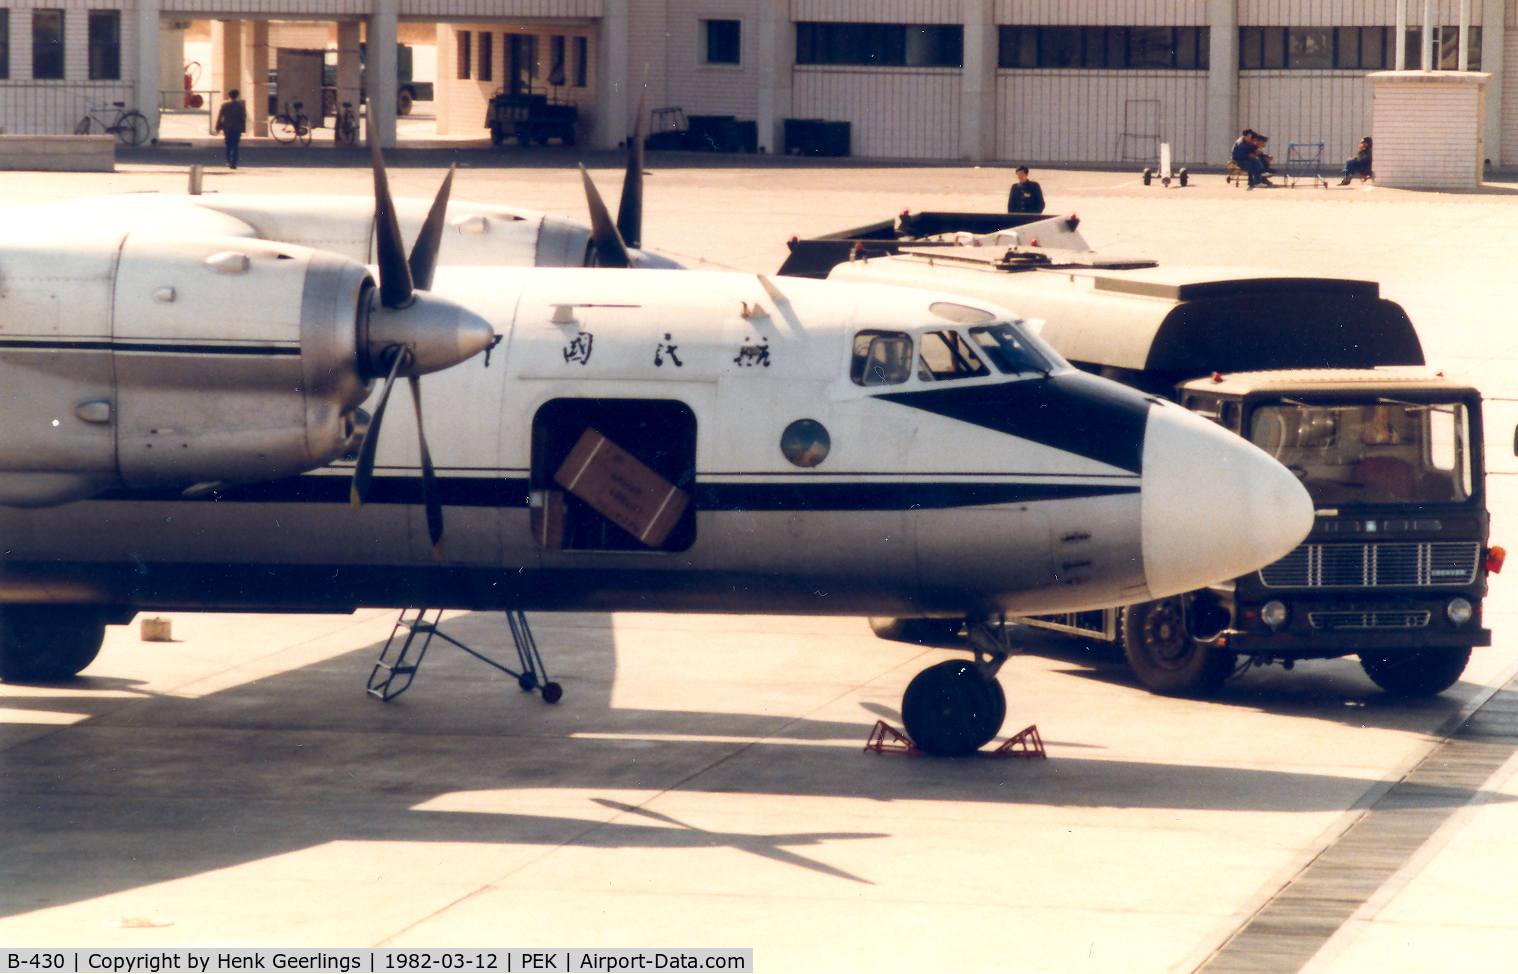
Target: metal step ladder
402	655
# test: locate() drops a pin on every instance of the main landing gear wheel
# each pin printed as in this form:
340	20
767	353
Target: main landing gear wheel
46	645
1416	673
950	709
1163	654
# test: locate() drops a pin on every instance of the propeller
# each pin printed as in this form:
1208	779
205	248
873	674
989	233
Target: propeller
411	332
630	210
607	248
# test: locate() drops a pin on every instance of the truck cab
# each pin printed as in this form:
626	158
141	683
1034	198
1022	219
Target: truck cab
1395	567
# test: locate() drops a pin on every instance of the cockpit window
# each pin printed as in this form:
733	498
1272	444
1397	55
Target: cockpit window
1009	350
881	358
946	355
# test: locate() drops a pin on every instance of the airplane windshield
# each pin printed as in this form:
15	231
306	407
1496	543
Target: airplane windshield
1009	350
1383	453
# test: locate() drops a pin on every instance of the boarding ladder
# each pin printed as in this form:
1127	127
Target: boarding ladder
407	646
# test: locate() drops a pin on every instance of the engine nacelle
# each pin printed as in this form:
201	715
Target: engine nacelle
150	361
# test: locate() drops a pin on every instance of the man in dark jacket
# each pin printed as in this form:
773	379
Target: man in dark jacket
1246	155
1360	165
1026	196
232	122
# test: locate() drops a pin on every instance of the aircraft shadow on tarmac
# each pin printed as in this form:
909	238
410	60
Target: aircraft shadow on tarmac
165	787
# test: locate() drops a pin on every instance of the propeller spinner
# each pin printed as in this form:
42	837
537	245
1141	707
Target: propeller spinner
410	332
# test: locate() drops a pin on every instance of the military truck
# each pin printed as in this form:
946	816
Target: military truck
1327	376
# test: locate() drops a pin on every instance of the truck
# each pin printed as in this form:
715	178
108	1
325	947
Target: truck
529	118
1325	375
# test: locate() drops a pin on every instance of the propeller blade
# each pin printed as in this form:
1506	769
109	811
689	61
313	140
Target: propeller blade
363	472
396	286
630	210
424	254
607	248
429	476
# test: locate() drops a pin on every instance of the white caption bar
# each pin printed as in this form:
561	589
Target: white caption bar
493	960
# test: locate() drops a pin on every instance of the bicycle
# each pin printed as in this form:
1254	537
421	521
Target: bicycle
345	126
288	127
131	127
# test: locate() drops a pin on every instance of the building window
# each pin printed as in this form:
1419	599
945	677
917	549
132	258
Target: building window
5	44
1362	48
582	61
105	45
721	39
1162	48
1446	49
877	45
465	55
47	44
556	73
1345	48
487	55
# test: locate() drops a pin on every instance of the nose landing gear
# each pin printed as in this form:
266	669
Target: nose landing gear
955	707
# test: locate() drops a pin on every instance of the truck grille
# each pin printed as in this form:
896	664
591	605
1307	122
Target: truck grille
1384	564
1368	620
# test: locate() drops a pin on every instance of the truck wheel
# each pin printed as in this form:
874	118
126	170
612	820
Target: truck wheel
930	632
403	100
497	136
41	645
1418	672
1162	653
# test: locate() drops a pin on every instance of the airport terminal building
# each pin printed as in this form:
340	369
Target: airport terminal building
1037	81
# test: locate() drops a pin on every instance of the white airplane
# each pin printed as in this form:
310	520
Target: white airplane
650	440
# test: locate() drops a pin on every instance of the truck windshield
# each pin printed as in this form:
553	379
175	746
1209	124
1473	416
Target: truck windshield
1382	453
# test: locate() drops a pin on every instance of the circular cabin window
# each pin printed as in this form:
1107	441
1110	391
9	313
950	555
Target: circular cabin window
805	443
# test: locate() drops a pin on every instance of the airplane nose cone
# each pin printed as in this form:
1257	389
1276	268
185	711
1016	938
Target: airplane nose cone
1214	506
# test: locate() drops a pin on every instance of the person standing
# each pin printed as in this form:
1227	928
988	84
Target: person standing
232	122
1026	195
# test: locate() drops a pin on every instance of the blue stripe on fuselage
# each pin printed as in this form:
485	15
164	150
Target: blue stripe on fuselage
1071	411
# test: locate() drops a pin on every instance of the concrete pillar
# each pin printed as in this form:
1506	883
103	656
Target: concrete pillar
349	69
256	76
1493	44
145	81
171	59
1222	77
226	59
777	55
380	39
612	54
977	105
1428	128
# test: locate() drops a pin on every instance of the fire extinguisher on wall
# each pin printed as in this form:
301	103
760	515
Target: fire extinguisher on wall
192	75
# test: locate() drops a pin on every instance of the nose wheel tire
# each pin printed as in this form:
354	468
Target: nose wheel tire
1160	649
1416	673
950	709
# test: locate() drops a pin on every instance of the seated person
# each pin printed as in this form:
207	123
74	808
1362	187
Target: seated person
1245	155
1359	165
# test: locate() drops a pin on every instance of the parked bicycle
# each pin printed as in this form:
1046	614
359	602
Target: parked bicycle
130	127
345	126
290	126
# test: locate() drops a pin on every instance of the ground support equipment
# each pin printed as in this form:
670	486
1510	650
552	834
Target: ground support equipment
402	656
1304	160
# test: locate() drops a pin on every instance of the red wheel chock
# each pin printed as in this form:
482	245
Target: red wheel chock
886	739
1024	744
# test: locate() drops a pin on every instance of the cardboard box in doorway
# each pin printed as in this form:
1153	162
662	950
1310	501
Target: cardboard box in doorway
622	488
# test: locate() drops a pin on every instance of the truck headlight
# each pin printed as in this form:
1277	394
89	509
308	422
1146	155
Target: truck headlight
1459	611
1273	614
